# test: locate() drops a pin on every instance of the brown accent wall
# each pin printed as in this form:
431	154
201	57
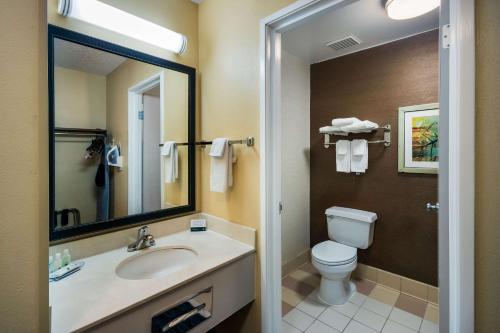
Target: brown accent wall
372	84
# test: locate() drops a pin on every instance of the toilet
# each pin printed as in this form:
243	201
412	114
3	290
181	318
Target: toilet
335	259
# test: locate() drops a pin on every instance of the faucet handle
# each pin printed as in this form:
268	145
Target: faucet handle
143	231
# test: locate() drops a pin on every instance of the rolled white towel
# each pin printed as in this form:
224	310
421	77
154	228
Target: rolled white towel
332	130
364	126
339	122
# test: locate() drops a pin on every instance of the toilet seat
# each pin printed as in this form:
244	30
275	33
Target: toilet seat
331	253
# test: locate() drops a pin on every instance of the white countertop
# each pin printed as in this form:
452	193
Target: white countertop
96	293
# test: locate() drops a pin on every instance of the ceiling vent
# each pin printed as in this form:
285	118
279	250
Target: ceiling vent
344	43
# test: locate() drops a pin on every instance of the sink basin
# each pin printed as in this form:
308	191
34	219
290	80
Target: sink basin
153	263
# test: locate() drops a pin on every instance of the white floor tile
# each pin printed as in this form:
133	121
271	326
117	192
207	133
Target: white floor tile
287	328
334	319
311	307
355	327
298	319
319	327
358	298
429	327
377	307
405	318
370	319
348	309
392	327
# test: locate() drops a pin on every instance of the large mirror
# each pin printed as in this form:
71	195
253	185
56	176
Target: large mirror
122	135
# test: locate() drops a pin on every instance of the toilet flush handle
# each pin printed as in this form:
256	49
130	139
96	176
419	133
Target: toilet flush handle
432	207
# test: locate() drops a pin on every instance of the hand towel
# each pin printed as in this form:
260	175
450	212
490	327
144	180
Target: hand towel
343	156
218	147
359	156
364	126
171	161
335	130
339	122
221	165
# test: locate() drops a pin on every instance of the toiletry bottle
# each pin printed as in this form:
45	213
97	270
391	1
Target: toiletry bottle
57	262
66	258
51	264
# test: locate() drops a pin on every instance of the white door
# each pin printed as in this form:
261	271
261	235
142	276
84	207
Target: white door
151	177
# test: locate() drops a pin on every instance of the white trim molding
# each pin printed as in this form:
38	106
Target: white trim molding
461	165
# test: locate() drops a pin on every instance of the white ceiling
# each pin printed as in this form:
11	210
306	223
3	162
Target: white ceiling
365	19
85	59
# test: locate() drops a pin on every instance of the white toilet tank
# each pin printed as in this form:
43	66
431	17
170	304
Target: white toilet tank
351	227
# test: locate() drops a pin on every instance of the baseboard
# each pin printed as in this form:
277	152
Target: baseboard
400	283
296	262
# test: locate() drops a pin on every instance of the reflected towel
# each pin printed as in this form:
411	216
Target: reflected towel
343	156
170	162
221	165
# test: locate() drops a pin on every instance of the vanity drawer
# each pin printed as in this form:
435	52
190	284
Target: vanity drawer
233	287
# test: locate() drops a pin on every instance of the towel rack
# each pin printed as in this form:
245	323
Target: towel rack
386	141
250	141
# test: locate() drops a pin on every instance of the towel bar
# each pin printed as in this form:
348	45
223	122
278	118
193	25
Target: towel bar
386	141
250	141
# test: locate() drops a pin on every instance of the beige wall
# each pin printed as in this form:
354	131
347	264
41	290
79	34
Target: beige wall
175	124
229	70
23	167
80	101
487	166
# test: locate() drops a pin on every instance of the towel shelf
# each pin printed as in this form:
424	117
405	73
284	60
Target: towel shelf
386	141
250	141
72	132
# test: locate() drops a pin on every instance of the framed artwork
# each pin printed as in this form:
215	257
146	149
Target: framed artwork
418	149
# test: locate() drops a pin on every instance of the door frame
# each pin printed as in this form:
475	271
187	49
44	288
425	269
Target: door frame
456	174
135	105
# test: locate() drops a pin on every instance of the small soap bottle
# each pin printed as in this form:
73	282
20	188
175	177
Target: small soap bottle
51	264
66	258
57	262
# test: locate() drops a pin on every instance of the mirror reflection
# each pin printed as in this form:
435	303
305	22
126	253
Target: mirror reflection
121	133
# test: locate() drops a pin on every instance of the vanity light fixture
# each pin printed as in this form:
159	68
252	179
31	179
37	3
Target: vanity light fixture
111	18
407	9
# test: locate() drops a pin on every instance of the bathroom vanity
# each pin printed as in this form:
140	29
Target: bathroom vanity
108	296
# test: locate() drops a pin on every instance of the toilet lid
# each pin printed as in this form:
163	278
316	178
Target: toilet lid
333	253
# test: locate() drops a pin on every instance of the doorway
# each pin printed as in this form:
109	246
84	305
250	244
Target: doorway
145	116
457	114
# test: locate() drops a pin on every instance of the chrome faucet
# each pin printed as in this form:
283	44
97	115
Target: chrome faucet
144	240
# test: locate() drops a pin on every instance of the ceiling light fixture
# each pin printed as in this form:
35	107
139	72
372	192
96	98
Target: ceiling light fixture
111	18
407	9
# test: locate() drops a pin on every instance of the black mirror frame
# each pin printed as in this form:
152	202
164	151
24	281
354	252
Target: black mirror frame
117	223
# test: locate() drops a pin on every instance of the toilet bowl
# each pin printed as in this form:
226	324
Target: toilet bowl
349	230
335	262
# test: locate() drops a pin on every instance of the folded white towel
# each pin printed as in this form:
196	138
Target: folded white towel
218	147
343	156
364	126
359	156
221	165
339	122
171	161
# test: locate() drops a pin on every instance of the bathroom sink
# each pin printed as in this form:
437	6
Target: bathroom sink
153	263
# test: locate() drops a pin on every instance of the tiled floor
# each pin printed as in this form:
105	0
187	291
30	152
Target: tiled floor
373	308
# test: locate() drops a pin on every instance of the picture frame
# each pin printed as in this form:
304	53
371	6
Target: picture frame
418	138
